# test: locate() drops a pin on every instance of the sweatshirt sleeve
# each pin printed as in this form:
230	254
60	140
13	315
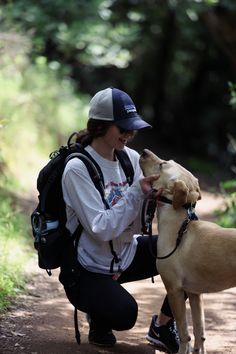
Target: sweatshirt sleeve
81	195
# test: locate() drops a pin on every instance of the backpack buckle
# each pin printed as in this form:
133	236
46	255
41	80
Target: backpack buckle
39	226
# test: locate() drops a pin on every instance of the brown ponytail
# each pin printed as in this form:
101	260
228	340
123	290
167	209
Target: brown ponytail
95	129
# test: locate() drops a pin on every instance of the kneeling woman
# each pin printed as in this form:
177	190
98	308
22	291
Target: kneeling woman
111	249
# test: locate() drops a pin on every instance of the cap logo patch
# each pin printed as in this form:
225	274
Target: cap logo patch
130	108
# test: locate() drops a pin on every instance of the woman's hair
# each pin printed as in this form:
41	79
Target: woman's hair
95	129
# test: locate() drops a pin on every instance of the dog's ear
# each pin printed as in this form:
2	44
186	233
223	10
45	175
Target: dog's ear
180	194
194	196
199	194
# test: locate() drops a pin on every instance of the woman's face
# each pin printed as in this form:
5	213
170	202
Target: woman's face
117	138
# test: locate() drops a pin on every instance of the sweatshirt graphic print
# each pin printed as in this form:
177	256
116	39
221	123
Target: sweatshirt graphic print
114	191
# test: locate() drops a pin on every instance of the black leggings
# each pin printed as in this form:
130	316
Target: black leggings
106	301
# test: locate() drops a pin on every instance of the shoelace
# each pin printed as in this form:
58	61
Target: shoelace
173	330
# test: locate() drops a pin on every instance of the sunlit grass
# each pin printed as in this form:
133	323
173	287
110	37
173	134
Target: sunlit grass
15	250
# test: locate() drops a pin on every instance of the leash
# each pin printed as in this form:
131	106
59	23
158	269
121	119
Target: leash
147	215
191	215
183	228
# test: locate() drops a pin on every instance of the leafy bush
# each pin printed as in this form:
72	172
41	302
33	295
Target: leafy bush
232	88
15	250
227	217
38	109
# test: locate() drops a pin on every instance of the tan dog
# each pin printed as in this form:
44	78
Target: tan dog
205	259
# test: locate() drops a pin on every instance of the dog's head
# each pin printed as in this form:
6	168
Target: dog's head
177	183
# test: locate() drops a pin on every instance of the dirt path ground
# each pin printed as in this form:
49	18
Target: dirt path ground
41	322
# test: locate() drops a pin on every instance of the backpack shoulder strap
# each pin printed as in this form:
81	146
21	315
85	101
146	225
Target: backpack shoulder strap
126	165
93	168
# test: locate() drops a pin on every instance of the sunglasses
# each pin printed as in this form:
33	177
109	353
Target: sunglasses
124	131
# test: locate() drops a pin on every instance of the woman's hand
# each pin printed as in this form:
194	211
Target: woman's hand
146	183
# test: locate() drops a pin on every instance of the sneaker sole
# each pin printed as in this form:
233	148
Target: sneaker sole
159	345
102	345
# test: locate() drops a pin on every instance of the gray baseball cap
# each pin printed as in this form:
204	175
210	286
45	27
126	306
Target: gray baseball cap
112	104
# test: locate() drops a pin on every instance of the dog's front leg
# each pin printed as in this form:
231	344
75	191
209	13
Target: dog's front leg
177	303
197	310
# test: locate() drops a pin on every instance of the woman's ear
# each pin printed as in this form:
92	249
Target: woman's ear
180	194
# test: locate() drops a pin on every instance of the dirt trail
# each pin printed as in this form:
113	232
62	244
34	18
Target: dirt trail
41	322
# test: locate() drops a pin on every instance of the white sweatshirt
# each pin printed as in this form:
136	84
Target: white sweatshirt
121	223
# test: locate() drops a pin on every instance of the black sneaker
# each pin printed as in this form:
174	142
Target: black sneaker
165	338
99	336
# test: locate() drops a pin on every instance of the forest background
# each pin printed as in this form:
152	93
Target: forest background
176	59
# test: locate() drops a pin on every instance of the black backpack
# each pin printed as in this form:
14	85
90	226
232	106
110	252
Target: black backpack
51	237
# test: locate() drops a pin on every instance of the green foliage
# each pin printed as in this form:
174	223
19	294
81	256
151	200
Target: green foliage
173	57
74	29
34	99
38	110
227	216
232	88
52	103
202	166
14	250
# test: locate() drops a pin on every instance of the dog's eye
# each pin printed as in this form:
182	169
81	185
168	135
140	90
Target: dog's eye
161	164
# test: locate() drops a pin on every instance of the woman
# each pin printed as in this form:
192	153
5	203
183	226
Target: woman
112	122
